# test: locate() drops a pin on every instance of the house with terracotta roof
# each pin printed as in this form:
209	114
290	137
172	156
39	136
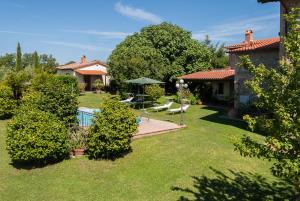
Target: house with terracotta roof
263	51
86	72
214	84
228	84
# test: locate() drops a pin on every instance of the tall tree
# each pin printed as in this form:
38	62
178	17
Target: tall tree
36	62
19	58
220	58
278	93
163	51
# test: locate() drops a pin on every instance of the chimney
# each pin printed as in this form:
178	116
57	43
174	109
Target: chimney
83	59
248	36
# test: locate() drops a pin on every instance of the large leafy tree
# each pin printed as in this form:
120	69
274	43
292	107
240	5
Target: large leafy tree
278	93
220	58
163	51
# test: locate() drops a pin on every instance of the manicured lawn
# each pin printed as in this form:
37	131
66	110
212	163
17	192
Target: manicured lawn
163	167
91	99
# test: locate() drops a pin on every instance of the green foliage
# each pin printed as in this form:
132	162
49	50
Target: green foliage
82	86
154	91
18	81
187	95
30	60
220	58
78	137
8	61
36	137
163	52
98	84
56	94
19	58
111	131
36	62
278	93
3	71
7	103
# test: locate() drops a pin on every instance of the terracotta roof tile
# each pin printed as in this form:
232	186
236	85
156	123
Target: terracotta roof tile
216	74
74	66
256	44
90	72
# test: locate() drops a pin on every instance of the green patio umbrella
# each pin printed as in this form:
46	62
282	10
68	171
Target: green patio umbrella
143	81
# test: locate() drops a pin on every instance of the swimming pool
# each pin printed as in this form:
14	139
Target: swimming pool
85	116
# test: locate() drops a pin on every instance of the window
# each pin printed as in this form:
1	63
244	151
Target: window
221	88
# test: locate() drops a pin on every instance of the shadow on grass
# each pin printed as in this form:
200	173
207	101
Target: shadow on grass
220	116
238	186
35	165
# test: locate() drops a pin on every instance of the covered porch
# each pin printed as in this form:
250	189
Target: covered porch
212	86
89	76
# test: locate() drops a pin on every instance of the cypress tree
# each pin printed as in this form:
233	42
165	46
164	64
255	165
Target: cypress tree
19	58
36	63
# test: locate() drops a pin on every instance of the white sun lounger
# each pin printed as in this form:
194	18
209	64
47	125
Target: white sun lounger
176	110
162	107
128	100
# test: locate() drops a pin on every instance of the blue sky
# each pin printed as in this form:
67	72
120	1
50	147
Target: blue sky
68	29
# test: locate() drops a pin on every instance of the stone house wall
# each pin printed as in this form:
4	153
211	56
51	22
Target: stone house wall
268	57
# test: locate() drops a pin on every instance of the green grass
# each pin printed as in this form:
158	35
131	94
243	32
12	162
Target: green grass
156	166
91	99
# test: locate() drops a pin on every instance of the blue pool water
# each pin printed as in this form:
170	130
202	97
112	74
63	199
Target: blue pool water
85	116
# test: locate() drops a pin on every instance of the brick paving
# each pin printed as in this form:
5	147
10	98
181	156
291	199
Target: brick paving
150	127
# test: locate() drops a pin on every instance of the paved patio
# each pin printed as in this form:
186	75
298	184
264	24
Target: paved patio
150	127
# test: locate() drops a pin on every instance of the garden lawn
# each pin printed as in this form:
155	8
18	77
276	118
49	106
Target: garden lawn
171	166
91	99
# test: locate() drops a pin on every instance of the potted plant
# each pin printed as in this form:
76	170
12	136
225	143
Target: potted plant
78	140
98	85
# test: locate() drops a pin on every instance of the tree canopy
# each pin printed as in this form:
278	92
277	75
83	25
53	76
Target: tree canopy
163	51
278	94
20	61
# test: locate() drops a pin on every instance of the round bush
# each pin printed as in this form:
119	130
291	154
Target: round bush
7	102
36	137
58	94
111	131
154	91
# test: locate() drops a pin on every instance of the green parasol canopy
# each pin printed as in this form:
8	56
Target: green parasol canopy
144	81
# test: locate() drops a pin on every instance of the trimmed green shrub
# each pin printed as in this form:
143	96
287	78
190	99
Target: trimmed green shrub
98	85
154	91
189	96
55	94
82	86
18	81
7	102
111	131
36	137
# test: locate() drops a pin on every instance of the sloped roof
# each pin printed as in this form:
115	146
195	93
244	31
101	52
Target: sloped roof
74	66
254	45
216	74
90	72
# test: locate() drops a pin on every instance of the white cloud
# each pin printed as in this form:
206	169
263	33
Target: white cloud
226	31
104	34
137	13
78	45
22	33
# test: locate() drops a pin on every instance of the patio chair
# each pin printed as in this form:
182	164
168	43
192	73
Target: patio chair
128	100
176	110
162	107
